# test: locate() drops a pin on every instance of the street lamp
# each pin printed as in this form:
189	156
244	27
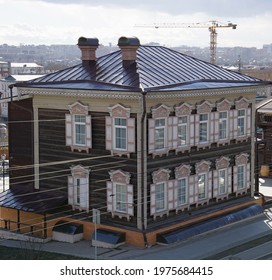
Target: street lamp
3	158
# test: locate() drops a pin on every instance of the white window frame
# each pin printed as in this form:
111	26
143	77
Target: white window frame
78	117
241	176
119	112
182	126
224	187
183	188
162	197
160	128
120	196
225	121
121	203
121	128
239	119
200	129
79	124
78	191
78	188
200	194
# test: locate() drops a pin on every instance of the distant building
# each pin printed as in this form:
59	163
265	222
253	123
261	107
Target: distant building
25	68
5	91
4	69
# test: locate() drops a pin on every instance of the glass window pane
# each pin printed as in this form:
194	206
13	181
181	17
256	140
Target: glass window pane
160	133
120	133
223	125
121	200
203	132
182	191
160	197
222	181
241	177
202	186
182	131
241	122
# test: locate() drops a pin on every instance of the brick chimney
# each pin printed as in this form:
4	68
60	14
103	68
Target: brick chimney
88	47
128	48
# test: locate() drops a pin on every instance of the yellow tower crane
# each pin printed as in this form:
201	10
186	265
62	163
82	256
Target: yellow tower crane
211	25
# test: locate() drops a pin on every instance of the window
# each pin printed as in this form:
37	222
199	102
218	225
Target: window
202	186
120	194
80	191
120	131
222	181
80	130
241	177
160	196
241	122
223	121
78	188
121	198
203	128
120	128
160	134
182	130
182	185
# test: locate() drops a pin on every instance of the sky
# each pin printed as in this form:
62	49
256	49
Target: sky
64	21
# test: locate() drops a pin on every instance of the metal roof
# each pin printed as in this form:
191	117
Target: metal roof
25	198
156	69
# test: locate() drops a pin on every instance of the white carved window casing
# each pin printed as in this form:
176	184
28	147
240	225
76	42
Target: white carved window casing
78	128
183	187
160	131
78	188
224	127
222	178
241	174
161	193
120	194
204	124
183	129
203	182
120	131
241	119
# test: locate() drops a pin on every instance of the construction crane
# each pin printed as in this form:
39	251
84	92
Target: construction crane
211	25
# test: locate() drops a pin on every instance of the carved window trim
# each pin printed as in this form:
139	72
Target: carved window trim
120	178
79	181
121	113
77	109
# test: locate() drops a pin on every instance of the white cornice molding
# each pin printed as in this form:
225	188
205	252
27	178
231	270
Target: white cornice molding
82	93
138	95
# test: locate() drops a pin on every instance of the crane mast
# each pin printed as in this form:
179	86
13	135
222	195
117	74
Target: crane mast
211	25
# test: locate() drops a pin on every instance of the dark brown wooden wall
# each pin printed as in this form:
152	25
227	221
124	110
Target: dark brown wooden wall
21	141
53	149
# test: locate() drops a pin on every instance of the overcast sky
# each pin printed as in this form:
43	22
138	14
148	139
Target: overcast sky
64	21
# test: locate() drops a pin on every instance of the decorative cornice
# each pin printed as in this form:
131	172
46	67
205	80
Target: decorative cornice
138	95
83	93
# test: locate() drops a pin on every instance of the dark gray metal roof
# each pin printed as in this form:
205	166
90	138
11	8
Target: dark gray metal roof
25	198
156	69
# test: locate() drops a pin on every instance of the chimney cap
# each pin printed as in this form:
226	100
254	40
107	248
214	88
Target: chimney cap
82	41
128	41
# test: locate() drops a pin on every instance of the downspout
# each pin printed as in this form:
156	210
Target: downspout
143	167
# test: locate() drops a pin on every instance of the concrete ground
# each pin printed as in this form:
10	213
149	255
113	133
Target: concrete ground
265	186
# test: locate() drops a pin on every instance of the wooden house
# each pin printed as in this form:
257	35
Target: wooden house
154	139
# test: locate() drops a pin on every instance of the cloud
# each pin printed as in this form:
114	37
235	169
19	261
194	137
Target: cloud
214	8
